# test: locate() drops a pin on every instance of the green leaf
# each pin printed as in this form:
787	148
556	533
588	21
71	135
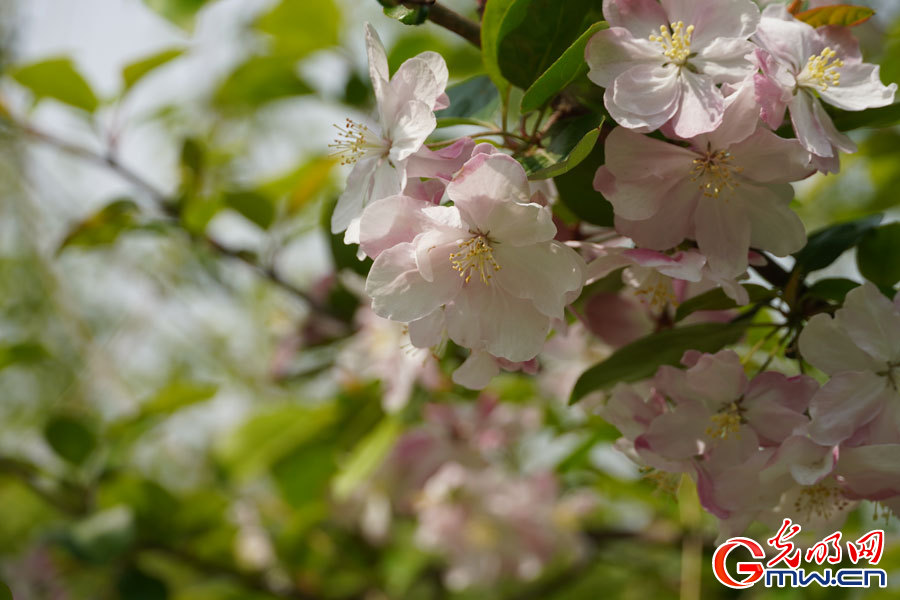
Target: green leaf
255	206
832	289
177	395
826	245
134	584
491	21
841	15
561	73
180	12
259	80
58	79
576	186
475	98
300	27
271	436
104	536
304	184
885	116
406	15
716	299
878	255
581	151
303	475
22	352
366	457
535	33
136	71
70	437
105	226
5	594
641	359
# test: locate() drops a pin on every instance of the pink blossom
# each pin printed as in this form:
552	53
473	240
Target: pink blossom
860	348
803	67
729	190
406	105
486	269
660	61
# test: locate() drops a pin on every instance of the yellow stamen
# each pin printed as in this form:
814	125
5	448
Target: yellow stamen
676	44
725	422
715	173
822	71
820	500
354	141
475	254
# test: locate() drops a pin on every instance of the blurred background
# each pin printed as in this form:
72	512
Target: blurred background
197	404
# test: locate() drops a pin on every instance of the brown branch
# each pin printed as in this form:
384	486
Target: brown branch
451	20
170	207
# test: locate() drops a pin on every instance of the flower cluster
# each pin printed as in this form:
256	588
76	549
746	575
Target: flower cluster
775	446
715	77
455	475
484	272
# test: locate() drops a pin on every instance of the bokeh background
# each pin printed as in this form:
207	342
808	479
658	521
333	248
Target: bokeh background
191	405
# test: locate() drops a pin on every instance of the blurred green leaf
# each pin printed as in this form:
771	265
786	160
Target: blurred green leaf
641	359
491	22
177	395
104	536
826	245
303	475
255	206
463	60
716	299
299	27
885	116
105	226
561	73
259	80
580	152
832	289
475	98
70	437
179	12
5	594
134	584
58	79
366	457
841	15
22	352
535	33
267	438
136	71
878	255
303	185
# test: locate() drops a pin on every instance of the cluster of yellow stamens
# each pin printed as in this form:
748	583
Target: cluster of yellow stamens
715	173
820	500
475	256
656	291
676	43
725	422
353	142
665	482
822	70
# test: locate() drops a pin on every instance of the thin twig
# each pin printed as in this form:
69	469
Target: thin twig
451	20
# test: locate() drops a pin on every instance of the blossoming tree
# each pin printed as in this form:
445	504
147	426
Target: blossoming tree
573	257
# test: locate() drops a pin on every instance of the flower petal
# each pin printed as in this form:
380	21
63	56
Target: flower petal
639	17
671	224
860	88
611	52
773	225
632	156
722	231
701	107
714	19
872	322
850	400
543	273
400	293
477	370
413	123
485	316
766	158
644	97
825	345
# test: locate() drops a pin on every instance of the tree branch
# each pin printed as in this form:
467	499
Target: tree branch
455	22
170	207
